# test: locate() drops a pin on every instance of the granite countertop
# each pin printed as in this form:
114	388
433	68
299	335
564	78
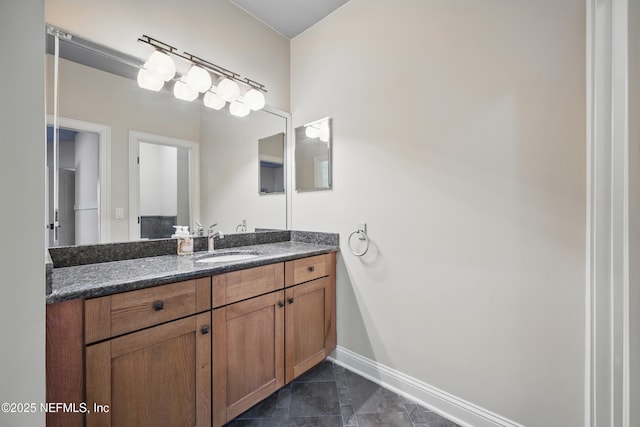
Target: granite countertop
105	278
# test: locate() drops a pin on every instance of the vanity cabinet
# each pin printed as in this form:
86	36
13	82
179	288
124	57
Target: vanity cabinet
148	356
192	353
270	335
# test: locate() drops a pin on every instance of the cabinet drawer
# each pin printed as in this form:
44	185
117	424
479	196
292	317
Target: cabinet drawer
240	285
305	269
118	314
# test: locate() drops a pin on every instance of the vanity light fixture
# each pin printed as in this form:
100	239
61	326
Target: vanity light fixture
212	100
161	68
228	90
254	99
146	80
182	90
311	131
198	79
318	130
239	109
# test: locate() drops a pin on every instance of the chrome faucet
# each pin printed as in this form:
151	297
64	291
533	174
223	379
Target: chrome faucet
211	236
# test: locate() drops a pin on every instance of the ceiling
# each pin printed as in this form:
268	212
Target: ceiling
289	17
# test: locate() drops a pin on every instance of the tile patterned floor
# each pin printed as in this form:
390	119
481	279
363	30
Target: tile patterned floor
329	396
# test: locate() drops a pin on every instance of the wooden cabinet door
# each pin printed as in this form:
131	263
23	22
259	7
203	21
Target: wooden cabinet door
159	376
310	325
248	354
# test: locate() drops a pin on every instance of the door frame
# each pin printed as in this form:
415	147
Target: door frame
607	322
104	167
135	137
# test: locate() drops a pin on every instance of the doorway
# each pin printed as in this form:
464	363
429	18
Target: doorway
84	150
163	185
78	215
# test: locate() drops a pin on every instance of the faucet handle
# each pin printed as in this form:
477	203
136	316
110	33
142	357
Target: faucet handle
212	225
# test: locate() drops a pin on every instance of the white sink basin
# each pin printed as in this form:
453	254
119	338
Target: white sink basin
227	257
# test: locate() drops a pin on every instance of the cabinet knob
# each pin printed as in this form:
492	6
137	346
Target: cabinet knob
312	268
158	305
205	330
290	300
280	304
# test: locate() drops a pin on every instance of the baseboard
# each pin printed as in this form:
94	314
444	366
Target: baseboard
458	410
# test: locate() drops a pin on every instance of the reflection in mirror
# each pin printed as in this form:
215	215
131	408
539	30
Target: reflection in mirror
313	156
226	188
164	189
271	157
78	187
163	185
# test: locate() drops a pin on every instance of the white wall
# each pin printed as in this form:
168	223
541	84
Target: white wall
22	178
214	30
459	138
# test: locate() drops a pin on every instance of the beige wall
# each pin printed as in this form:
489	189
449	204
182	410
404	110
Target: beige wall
459	138
212	29
22	177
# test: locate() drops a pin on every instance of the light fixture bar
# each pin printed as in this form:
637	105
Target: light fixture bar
216	69
212	67
157	44
254	84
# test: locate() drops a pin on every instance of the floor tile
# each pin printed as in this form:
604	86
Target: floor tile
348	416
368	397
386	419
322	372
313	399
284	397
332	396
327	421
264	409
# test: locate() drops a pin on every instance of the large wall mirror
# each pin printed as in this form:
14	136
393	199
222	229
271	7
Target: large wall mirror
313	156
212	176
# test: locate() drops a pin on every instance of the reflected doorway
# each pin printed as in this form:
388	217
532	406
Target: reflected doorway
164	185
78	188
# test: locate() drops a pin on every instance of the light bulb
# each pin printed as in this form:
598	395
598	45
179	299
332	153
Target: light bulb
198	78
228	90
312	132
184	92
238	109
148	81
324	136
212	100
161	66
254	99
324	133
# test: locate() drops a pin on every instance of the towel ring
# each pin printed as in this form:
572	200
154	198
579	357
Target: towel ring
362	236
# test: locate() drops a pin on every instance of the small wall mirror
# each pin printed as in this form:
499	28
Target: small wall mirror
313	156
271	159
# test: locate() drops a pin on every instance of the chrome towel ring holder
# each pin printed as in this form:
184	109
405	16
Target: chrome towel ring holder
361	232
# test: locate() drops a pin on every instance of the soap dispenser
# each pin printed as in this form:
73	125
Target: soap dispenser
185	242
